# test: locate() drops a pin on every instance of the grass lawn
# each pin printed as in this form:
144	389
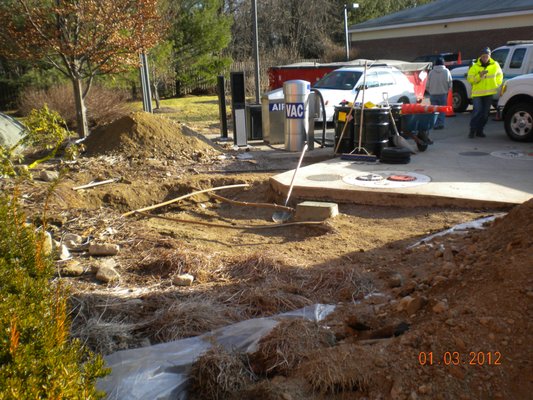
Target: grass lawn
198	111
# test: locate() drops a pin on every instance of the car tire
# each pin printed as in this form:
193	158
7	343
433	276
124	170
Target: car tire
460	100
395	155
423	142
403	100
519	122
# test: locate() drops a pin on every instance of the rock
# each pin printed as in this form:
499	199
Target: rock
63	253
411	304
438	279
448	255
107	274
457	372
105	249
440	307
183	280
48	176
72	241
395	280
424	389
408	288
460	344
415	305
72	268
396	391
402	305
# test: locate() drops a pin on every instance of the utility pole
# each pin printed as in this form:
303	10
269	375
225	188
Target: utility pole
354	5
256	50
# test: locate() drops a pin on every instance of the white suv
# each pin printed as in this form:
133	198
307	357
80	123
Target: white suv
343	84
515	107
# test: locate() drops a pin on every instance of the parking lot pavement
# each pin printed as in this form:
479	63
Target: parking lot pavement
454	171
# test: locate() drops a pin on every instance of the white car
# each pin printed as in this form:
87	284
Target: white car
343	84
515	107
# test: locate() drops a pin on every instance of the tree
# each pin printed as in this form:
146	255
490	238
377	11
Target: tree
81	38
301	28
200	32
162	68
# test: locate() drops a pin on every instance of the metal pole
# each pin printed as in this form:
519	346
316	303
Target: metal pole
256	51
222	108
346	32
145	81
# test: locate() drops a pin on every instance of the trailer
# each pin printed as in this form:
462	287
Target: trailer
416	72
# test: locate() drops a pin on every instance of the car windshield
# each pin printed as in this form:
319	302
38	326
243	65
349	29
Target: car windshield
339	80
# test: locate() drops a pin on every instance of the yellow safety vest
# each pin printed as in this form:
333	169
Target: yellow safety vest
489	84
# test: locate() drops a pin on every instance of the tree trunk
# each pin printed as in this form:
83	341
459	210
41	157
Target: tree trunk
155	93
81	111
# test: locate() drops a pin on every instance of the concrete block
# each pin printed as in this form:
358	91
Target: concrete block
315	211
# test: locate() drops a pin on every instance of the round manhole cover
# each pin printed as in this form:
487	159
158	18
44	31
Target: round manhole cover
513	155
473	153
402	178
369	177
324	177
388	179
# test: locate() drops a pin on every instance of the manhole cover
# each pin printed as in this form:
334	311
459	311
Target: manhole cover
369	177
473	153
324	177
387	179
402	178
513	155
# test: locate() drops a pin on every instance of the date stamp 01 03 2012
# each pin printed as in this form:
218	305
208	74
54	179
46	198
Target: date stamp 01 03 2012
478	358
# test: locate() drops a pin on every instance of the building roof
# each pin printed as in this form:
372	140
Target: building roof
445	10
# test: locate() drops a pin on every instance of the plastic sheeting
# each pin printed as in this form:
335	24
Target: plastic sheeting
459	228
160	372
11	131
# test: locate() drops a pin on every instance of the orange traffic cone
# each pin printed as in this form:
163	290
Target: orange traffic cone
449	103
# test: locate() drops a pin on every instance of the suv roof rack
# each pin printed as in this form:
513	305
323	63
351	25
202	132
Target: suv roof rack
518	42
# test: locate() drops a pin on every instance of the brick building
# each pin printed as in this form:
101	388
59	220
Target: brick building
443	26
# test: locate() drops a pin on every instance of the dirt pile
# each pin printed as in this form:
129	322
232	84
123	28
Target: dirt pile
144	135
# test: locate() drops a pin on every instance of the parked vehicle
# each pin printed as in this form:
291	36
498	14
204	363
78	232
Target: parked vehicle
314	71
342	85
515	107
515	58
450	59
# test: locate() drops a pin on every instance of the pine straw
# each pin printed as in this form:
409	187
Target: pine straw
343	368
253	267
110	322
166	263
218	373
175	318
108	337
289	344
332	283
265	301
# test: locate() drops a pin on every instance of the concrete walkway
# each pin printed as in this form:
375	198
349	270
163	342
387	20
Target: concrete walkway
489	172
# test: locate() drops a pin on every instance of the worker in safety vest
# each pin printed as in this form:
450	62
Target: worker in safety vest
485	76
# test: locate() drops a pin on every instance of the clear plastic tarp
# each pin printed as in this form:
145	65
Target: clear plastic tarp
160	372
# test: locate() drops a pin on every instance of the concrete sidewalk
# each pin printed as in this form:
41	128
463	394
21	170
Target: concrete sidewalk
487	172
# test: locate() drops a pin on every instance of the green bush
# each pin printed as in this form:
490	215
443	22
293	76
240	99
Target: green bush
38	359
